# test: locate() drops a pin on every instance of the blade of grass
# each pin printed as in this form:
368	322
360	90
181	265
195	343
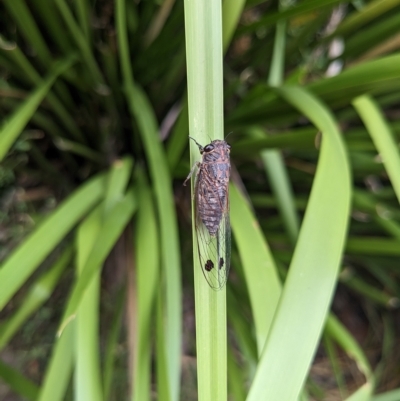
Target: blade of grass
82	8
231	12
369	12
158	21
23	261
14	126
87	385
313	271
80	41
59	369
18	382
374	33
117	182
302	8
109	354
116	185
46	12
382	137
372	75
273	160
147	268
111	229
29	29
303	138
347	342
203	31
143	114
262	280
178	140
377	76
87	370
76	148
243	331
280	184
330	350
146	120
163	383
373	246
14	53
393	395
236	378
367	290
37	296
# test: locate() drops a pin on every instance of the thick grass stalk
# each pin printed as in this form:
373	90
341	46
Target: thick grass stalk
203	24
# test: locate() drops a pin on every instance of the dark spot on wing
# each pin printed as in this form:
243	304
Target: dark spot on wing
209	265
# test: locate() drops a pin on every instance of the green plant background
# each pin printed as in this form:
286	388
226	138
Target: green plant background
101	295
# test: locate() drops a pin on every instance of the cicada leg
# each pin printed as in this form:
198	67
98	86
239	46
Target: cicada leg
197	164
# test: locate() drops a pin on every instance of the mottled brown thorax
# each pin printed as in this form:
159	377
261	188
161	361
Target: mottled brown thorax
213	181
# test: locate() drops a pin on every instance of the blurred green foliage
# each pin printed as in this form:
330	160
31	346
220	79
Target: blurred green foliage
93	147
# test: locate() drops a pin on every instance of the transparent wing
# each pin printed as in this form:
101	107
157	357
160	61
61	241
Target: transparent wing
214	250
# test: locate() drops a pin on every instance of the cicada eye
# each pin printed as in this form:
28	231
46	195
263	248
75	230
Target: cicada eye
208	148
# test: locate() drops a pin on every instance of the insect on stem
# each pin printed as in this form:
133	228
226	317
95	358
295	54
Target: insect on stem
212	224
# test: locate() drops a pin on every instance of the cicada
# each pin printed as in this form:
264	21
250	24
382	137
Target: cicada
211	198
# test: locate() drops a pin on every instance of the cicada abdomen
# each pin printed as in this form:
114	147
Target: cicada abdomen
211	195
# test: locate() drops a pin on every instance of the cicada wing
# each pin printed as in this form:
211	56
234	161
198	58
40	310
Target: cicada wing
214	249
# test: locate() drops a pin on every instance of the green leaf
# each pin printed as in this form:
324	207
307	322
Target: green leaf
18	383
393	395
300	9
37	246
204	52
37	296
87	382
111	346
26	23
313	271
80	40
12	128
111	229
362	394
143	114
147	279
59	369
231	13
371	11
341	335
262	280
382	137
117	182
349	344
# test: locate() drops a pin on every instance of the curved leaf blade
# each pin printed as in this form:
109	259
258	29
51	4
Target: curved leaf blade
313	272
24	260
14	126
